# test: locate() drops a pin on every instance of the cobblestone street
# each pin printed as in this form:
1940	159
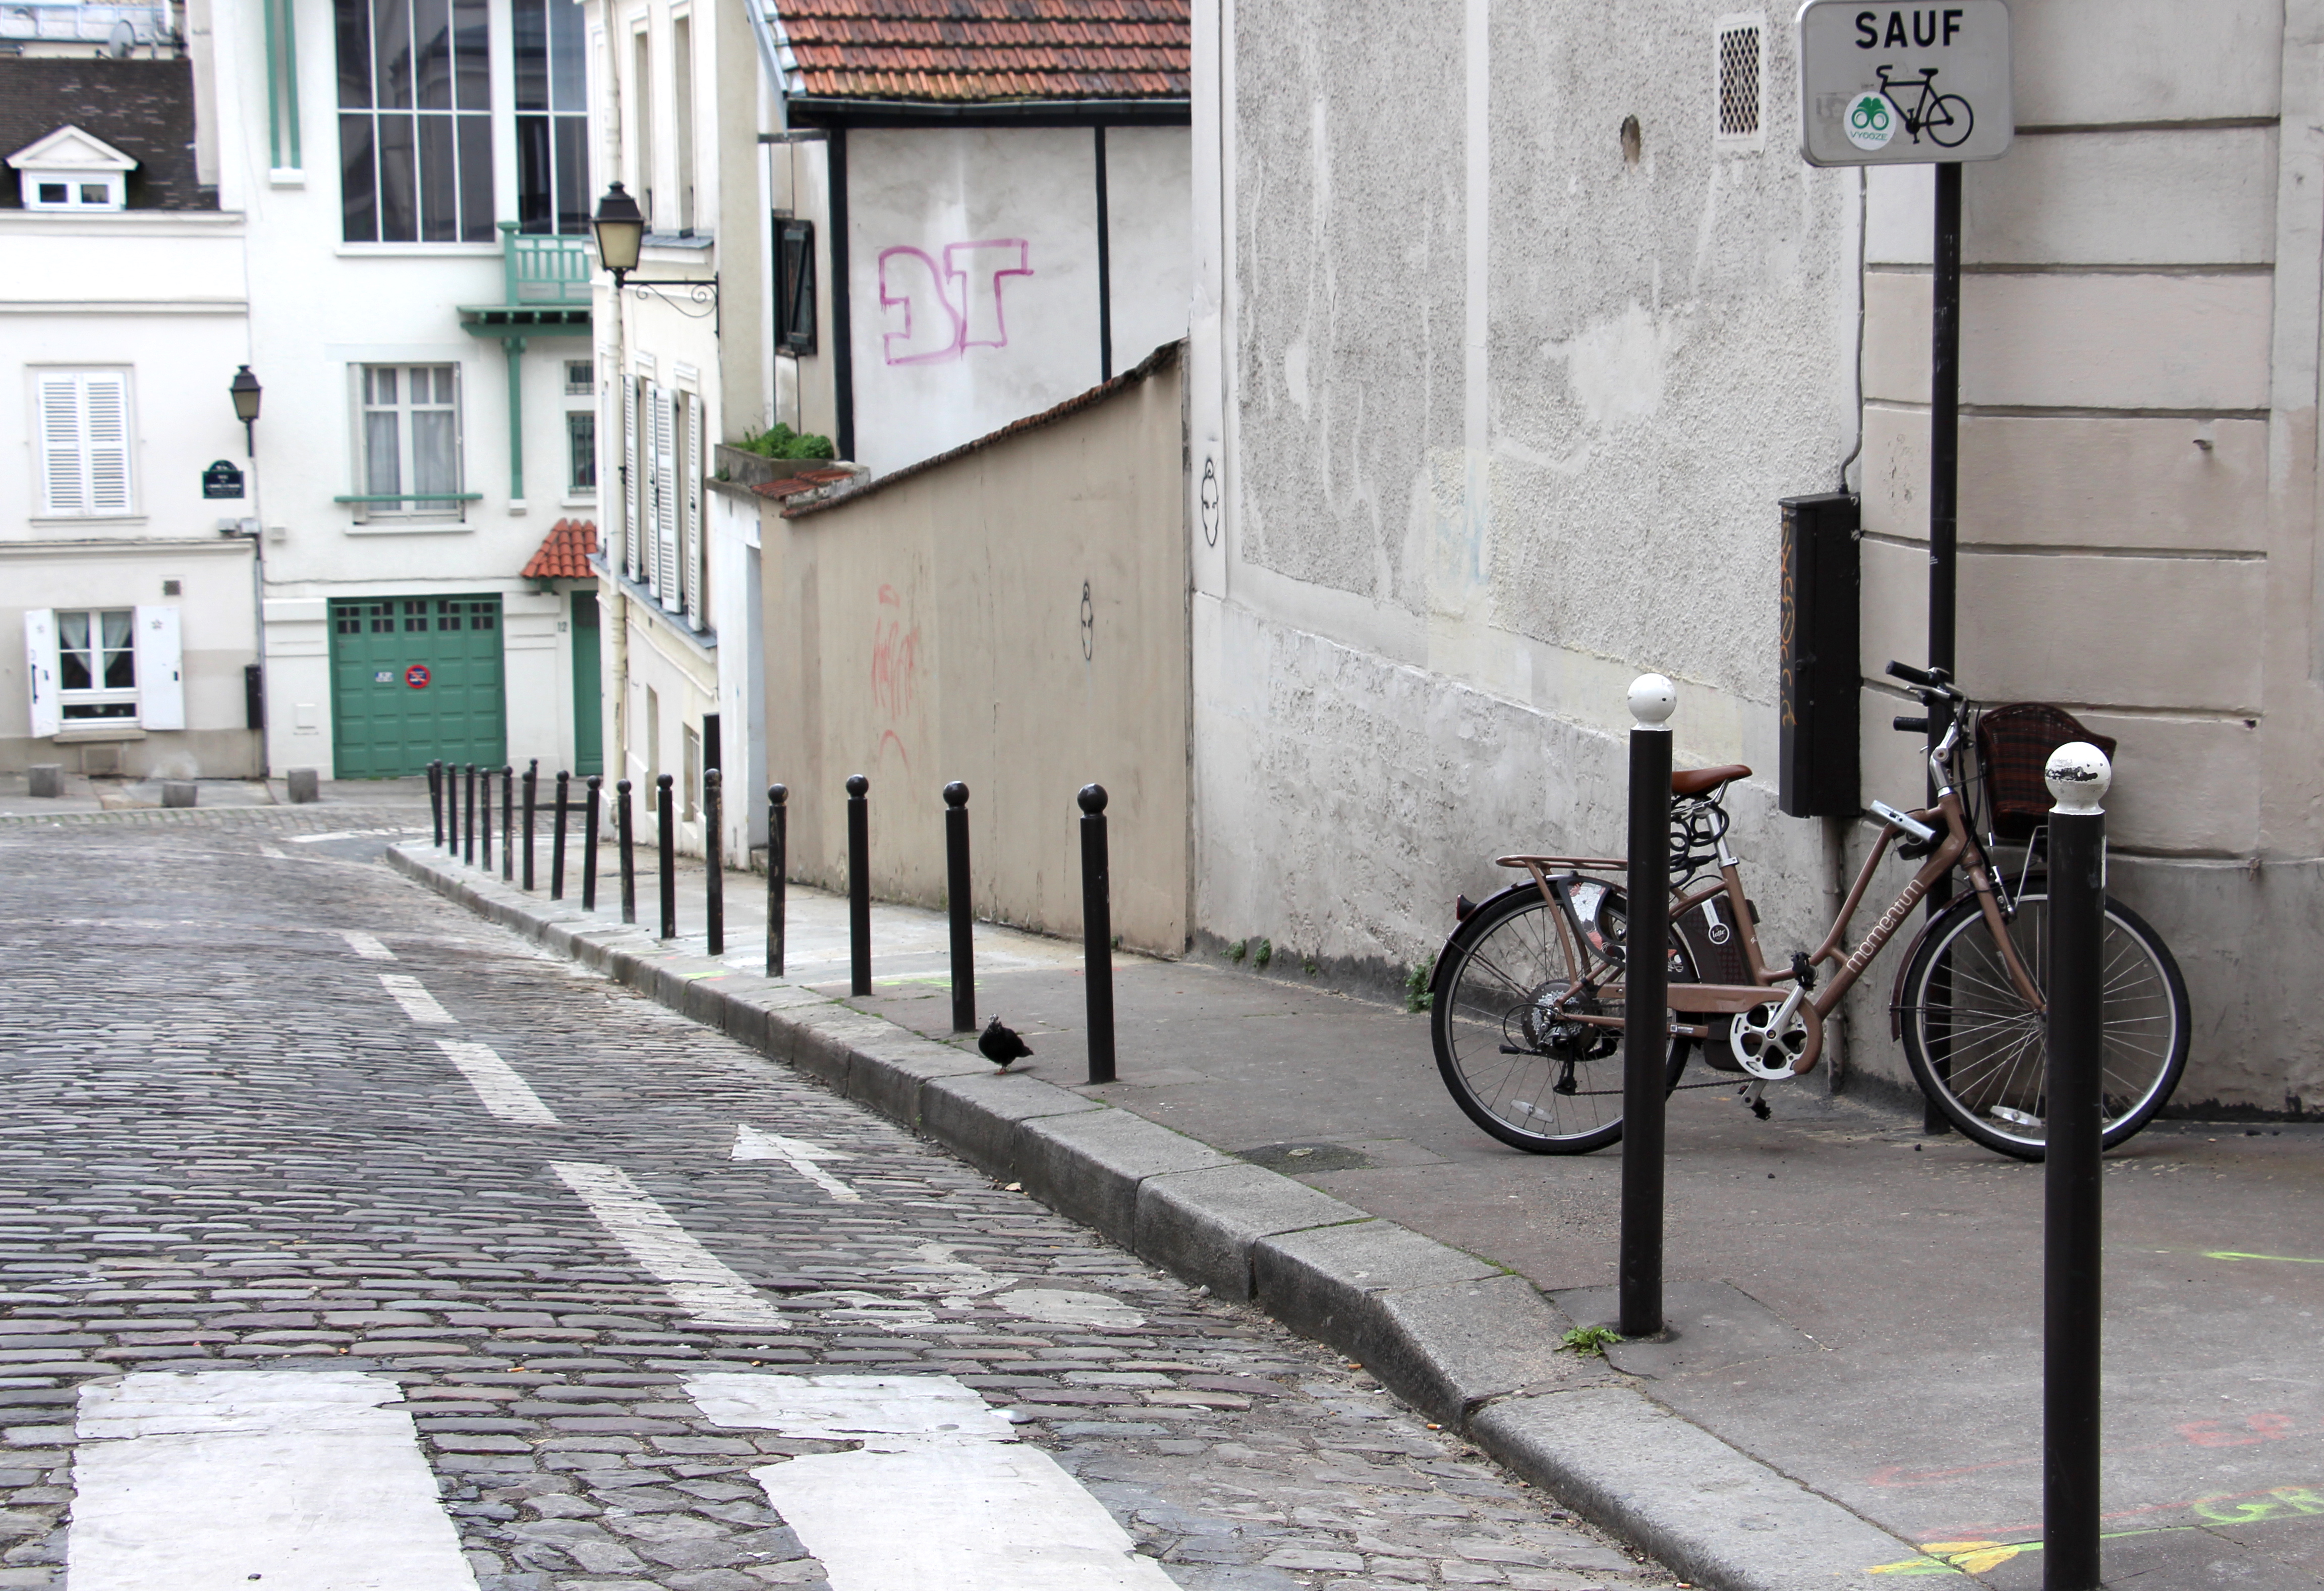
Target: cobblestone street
282	1131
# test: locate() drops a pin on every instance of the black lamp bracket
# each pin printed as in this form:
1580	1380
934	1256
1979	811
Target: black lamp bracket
696	291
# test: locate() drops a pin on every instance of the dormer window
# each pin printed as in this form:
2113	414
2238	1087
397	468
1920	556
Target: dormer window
70	170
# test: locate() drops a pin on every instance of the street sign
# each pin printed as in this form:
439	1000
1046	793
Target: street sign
417	676
222	479
1890	84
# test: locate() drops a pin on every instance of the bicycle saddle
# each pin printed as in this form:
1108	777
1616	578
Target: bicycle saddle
1695	782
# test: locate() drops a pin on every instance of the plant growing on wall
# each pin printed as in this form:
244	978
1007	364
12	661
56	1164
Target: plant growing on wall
780	441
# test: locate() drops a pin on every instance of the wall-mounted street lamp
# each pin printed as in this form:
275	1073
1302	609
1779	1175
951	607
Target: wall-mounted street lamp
245	392
621	228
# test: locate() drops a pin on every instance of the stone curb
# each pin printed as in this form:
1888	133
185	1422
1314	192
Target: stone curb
1467	1342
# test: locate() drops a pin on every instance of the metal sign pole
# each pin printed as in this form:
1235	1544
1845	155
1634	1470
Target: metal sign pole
1945	489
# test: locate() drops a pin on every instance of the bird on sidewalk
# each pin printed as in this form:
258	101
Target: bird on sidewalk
1001	1045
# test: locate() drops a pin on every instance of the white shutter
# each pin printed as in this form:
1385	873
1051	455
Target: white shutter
107	402
666	503
40	671
63	487
160	669
690	483
633	522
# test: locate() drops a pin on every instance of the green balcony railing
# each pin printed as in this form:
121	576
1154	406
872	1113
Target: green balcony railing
546	270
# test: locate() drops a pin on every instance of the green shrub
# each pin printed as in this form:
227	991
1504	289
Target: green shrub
1261	954
780	441
1418	995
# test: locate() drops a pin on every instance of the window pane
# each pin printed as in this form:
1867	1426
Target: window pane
581	430
359	189
391	49
382	380
117	625
447	615
383	470
440	189
353	30
445	379
431	29
567	84
471	42
476	179
573	175
535	190
120	656
435	452
73	672
530	34
415	615
399	179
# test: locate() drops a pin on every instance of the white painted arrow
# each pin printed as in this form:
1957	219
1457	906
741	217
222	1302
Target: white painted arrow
752	1144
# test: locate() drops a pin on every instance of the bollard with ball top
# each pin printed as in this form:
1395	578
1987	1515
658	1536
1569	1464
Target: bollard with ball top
1097	932
1646	1020
2074	1133
956	890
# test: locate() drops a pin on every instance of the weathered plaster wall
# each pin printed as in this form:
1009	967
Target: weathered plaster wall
937	629
1500	421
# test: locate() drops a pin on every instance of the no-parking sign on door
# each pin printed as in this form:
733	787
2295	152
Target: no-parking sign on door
1896	84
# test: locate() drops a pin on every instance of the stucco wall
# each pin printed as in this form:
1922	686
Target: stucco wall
935	629
1500	420
973	274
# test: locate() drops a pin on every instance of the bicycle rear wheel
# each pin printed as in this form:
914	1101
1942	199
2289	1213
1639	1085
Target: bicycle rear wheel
1536	1083
1981	1053
1950	121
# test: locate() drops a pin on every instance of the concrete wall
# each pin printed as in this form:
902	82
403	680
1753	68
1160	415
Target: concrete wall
972	272
937	629
2138	516
1496	418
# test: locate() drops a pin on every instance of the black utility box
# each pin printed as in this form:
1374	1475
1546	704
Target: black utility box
1818	699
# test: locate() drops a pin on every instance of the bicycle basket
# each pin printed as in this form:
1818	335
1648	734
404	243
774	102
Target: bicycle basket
2013	743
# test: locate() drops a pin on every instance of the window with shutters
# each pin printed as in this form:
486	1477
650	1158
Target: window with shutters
407	440
84	457
96	662
794	286
690	486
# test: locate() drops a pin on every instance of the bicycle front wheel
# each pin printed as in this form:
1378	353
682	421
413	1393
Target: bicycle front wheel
1949	121
1982	1053
1531	1077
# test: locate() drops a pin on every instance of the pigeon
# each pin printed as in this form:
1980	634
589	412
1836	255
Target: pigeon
1001	1045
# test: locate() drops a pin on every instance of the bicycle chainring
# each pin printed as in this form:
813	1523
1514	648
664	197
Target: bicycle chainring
1764	1053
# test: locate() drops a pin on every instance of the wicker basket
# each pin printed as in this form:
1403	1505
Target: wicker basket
2014	744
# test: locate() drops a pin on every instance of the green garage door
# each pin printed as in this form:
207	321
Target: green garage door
414	679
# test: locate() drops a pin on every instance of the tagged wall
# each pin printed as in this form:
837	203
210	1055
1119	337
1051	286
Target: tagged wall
1014	616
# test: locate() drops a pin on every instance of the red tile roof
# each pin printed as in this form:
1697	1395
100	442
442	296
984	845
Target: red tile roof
807	480
565	555
966	50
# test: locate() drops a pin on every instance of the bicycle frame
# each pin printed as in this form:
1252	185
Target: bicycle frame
1957	847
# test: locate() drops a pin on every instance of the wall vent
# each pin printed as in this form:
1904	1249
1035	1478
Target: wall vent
1739	62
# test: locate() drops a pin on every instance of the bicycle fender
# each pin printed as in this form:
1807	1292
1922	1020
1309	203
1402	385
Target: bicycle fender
1904	965
1444	952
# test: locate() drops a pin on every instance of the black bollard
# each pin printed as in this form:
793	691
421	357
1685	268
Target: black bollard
470	807
666	816
532	797
859	884
556	840
488	820
777	866
452	810
713	862
956	893
624	832
2074	1129
436	802
1646	1017
589	847
1097	932
508	823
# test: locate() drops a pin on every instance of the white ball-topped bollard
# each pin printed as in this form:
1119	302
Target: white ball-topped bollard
2079	776
1653	700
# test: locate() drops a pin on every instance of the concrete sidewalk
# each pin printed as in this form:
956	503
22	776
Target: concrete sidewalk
1854	1306
84	794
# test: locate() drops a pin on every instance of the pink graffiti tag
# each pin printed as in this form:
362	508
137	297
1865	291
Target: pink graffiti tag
895	671
948	310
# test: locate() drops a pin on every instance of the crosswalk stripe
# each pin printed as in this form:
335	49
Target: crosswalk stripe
418	1003
695	1277
293	1480
367	946
941	1492
505	1094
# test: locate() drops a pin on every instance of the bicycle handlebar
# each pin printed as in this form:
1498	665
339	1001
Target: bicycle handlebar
1929	683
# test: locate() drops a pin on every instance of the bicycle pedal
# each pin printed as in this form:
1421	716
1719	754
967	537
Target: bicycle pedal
1759	1108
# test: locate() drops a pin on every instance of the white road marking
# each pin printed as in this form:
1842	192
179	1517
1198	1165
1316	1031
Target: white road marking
418	1003
365	946
276	852
940	1493
962	1284
310	839
695	1277
752	1144
293	1480
505	1094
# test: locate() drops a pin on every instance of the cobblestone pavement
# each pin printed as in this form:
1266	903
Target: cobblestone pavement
269	1108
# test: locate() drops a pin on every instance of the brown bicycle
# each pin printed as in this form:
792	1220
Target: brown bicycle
1527	1012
